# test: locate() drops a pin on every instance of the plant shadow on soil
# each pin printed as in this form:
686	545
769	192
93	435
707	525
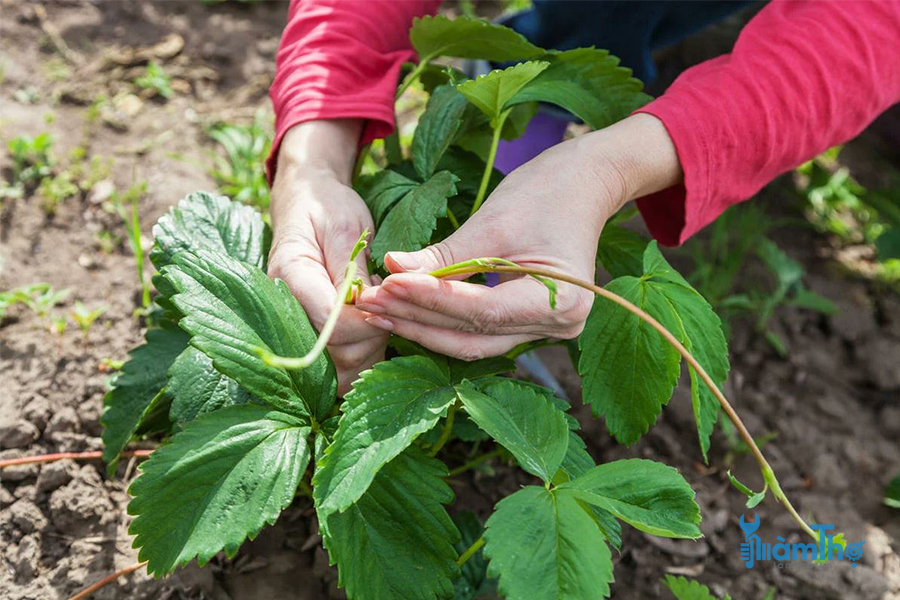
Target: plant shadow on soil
834	402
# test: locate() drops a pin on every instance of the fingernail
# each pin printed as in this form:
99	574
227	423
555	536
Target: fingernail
405	261
380	323
372	308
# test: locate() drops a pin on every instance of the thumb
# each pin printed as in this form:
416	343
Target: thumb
462	245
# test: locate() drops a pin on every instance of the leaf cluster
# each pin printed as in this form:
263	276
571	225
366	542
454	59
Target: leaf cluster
246	435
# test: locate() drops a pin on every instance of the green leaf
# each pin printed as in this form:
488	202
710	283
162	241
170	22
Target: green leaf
409	225
396	542
469	167
389	406
628	369
143	377
382	190
215	484
648	495
620	251
888	245
492	92
231	311
197	388
521	420
463	37
205	221
892	493
630	387
753	498
587	82
576	463
437	127
543	545
686	589
700	332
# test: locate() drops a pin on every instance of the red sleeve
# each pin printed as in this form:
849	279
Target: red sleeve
341	59
802	77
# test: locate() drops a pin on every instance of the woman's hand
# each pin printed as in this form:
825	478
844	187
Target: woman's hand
547	213
316	220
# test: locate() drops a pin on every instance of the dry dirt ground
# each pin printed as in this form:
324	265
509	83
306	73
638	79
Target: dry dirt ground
834	403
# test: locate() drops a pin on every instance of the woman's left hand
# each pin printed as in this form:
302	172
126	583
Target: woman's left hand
548	213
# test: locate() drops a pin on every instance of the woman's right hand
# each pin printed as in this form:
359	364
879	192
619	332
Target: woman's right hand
316	220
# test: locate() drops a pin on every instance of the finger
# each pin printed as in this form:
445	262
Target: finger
348	374
458	344
478	237
312	286
348	356
337	246
518	306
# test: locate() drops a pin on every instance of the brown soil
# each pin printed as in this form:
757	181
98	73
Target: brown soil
834	402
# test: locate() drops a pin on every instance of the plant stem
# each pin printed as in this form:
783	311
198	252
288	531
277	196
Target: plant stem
475	462
448	429
489	167
412	77
139	251
470	551
44	458
453	220
768	473
85	593
290	362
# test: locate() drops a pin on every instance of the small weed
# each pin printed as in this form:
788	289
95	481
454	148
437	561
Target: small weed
85	318
155	80
107	241
38	297
840	205
58	325
55	190
32	157
240	173
131	217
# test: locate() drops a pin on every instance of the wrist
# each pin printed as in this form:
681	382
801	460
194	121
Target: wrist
320	149
634	158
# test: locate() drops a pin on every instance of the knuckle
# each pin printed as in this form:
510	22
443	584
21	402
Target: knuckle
571	312
442	254
469	352
489	318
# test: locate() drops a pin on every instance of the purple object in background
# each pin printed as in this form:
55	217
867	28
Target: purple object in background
543	131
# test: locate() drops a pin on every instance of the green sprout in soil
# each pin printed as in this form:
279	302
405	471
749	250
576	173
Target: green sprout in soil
126	206
85	318
240	172
156	81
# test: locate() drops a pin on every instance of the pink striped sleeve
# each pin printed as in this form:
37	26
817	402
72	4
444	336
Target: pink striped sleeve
802	77
342	59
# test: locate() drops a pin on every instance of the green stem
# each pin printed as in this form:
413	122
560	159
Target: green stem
486	266
489	167
301	362
453	220
412	77
304	489
139	252
475	462
448	429
470	551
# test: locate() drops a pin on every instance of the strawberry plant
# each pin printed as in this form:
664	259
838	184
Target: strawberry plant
237	379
